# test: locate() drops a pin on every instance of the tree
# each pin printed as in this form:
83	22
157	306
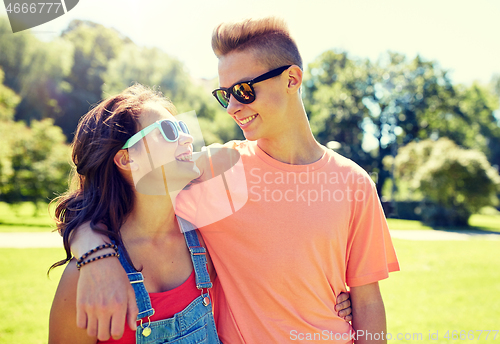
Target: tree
8	101
35	161
152	67
334	89
495	84
393	102
94	46
453	182
478	104
35	70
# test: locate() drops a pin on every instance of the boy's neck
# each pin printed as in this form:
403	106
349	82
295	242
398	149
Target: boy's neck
295	146
298	152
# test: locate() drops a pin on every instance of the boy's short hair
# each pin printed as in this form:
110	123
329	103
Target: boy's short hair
268	37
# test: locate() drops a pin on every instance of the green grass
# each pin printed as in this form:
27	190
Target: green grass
406	224
444	285
22	218
490	223
485	222
26	293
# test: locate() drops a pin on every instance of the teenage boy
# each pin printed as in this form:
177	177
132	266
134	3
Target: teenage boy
312	225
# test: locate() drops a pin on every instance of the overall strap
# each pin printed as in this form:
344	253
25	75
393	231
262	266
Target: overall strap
137	281
198	254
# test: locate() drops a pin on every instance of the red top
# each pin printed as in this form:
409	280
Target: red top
165	304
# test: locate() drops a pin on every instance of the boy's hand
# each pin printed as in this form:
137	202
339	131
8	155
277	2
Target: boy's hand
105	300
343	306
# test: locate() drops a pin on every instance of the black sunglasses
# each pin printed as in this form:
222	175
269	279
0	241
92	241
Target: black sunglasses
243	91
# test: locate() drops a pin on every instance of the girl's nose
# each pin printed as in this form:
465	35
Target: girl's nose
185	139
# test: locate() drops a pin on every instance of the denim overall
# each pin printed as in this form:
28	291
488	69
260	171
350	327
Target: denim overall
194	324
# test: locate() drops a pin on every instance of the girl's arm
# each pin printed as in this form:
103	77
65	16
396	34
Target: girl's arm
62	323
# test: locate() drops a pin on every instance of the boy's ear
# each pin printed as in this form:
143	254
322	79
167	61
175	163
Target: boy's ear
123	161
294	78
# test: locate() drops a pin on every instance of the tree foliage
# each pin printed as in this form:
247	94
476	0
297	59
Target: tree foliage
334	89
62	79
151	66
34	162
94	46
36	71
370	107
458	182
8	101
374	108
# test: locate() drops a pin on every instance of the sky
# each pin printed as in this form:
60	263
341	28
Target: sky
462	36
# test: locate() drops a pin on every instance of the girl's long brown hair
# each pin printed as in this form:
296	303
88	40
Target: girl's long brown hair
99	193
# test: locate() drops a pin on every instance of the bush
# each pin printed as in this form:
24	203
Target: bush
34	164
409	210
454	182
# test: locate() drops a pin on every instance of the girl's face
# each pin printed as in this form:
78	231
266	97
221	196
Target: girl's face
157	163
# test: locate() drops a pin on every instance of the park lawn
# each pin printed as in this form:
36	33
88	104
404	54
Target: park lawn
482	222
22	218
485	222
442	285
406	224
25	229
26	293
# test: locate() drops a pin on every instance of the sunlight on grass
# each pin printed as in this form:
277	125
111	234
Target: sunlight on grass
478	221
20	218
485	222
443	285
23	218
26	293
25	229
406	224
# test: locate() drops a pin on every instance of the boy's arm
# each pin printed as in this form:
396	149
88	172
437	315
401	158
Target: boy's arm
214	160
104	297
369	314
62	326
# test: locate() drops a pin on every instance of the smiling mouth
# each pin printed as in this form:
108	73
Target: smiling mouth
184	157
247	120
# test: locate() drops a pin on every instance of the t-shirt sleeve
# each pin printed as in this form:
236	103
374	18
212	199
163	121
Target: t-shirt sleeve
370	252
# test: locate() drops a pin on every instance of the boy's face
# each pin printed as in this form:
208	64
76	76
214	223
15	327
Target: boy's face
264	118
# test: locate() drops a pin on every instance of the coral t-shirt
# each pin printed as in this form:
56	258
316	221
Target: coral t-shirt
305	232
